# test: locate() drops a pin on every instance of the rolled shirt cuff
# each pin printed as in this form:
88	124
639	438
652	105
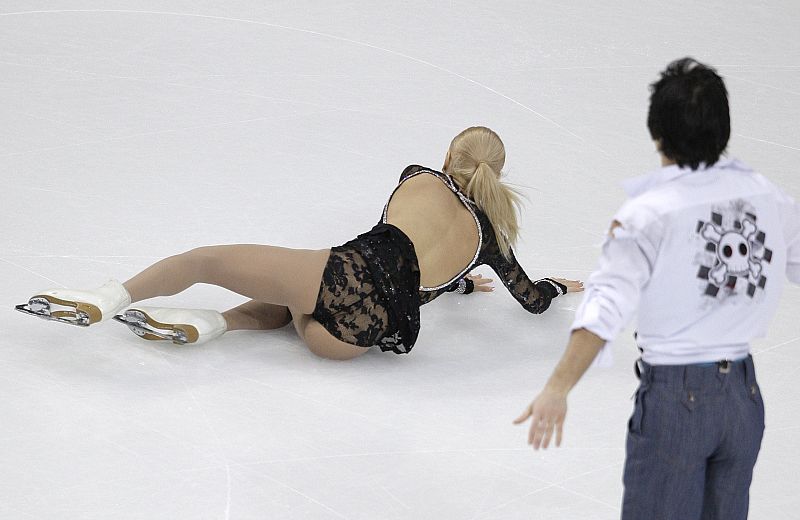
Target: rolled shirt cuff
590	317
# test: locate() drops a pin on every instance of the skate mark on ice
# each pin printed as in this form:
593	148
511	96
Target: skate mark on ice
32	272
773	347
765	85
218	452
766	141
232	92
550	485
297	395
394	497
168	131
228	497
336	38
297	491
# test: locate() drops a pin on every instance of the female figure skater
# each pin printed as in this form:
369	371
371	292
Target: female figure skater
436	227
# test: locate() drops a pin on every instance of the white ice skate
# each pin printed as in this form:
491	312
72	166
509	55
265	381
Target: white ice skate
78	307
180	326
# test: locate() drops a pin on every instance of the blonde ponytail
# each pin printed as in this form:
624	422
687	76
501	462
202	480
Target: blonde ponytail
477	156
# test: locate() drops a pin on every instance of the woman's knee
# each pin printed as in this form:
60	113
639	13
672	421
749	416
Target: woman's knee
203	263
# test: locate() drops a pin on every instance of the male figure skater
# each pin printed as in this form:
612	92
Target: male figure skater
700	250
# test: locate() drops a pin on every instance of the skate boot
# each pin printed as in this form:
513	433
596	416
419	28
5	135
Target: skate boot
180	326
77	307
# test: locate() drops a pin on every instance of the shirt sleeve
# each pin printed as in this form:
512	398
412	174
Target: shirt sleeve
613	290
792	234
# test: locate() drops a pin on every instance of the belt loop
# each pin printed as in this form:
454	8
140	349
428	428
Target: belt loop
644	373
749	371
692	377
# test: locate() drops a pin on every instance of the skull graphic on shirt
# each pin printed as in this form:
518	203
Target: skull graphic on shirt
738	250
737	256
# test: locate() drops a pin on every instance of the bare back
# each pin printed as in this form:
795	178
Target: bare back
443	231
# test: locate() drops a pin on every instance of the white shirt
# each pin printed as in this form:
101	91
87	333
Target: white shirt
702	256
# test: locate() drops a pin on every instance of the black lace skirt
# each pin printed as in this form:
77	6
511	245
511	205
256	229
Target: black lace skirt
369	294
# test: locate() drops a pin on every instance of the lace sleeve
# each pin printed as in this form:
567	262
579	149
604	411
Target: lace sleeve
534	296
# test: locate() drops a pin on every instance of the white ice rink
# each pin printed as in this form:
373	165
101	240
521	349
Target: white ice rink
130	131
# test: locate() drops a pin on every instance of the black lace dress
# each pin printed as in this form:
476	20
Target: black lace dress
370	293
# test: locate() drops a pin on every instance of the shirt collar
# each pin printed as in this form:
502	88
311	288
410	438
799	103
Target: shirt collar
635	186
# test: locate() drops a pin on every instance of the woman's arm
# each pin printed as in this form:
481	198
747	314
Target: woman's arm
534	296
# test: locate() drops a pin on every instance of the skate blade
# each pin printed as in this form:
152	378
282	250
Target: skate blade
64	311
147	328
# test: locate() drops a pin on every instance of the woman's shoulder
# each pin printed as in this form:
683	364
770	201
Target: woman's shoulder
414	169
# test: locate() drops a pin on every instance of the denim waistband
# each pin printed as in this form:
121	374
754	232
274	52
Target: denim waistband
717	363
697	376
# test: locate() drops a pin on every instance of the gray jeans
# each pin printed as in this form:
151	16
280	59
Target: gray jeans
693	440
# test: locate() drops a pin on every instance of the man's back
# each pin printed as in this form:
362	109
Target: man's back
718	243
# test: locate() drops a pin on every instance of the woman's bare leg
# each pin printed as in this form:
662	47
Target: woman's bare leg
276	278
255	315
276	275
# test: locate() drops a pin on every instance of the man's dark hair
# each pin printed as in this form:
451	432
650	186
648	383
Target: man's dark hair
689	113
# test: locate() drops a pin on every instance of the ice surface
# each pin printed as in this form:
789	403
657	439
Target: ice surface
134	130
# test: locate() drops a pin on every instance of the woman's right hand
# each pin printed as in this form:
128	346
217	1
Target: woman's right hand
481	283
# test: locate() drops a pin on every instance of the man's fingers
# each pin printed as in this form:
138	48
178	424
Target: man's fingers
548	434
535	423
524	416
559	432
541	425
537	436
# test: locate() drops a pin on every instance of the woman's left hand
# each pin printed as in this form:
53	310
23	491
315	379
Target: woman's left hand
572	285
481	283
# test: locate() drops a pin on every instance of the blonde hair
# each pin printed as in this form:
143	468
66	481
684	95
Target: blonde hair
477	156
